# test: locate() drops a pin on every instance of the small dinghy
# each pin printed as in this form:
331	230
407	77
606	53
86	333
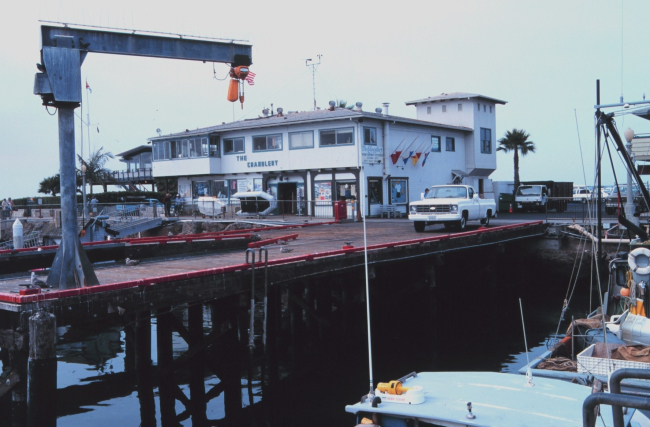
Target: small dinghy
256	203
211	206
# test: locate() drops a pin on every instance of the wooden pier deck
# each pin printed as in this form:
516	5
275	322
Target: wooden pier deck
314	250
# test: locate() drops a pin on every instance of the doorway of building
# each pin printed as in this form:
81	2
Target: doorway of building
287	195
481	190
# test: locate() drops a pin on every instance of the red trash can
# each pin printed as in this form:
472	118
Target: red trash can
340	210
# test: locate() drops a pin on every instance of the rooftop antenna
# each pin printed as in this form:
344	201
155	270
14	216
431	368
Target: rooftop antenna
313	66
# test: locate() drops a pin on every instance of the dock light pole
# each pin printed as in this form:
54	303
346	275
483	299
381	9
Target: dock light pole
629	204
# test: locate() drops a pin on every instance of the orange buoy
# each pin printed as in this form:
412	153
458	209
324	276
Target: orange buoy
625	292
510	211
233	90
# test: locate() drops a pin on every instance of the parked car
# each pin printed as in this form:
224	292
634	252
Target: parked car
581	195
612	203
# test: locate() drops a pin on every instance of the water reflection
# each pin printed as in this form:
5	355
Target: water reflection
165	370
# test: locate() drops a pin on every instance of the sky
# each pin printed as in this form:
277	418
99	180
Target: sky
542	57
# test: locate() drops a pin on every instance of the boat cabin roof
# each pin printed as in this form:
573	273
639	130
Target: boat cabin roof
498	399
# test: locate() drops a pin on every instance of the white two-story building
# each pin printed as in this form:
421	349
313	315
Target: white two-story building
325	155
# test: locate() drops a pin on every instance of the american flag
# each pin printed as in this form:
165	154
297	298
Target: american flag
88	87
250	77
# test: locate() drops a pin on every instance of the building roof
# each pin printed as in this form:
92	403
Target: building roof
134	151
292	118
454	95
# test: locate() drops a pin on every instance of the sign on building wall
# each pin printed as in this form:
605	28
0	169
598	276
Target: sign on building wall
371	153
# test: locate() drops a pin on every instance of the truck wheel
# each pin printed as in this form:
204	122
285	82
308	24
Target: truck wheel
486	221
462	224
419	226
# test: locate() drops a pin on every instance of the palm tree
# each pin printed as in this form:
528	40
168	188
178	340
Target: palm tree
50	185
516	140
96	173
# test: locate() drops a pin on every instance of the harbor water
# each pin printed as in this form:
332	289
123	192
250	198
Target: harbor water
461	320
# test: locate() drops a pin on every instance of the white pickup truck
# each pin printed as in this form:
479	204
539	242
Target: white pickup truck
451	205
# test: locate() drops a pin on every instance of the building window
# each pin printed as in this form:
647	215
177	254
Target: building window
398	190
161	150
478	107
490	109
451	144
195	147
233	145
435	144
444	108
460	107
484	108
486	141
337	137
214	147
267	142
300	140
370	136
428	110
199	189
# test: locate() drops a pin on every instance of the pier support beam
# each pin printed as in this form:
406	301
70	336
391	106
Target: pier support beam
165	350
18	355
143	369
197	388
228	354
41	371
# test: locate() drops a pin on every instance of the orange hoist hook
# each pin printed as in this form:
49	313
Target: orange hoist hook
236	87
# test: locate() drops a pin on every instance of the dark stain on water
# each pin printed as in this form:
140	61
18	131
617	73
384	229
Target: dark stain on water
470	320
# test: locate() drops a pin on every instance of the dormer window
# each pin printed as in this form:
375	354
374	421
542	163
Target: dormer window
444	108
460	107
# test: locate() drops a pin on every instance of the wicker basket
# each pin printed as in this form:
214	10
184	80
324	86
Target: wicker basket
598	366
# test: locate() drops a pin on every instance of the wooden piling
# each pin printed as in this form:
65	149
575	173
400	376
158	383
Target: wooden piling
227	352
18	356
41	371
165	350
143	369
197	387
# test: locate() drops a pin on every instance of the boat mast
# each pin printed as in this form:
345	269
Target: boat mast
362	199
599	252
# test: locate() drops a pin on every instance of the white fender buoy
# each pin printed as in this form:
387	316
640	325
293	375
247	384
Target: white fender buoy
18	234
632	260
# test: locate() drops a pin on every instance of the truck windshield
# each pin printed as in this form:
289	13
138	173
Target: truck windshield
447	193
529	190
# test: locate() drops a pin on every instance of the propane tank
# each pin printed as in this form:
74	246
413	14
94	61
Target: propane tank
233	90
18	234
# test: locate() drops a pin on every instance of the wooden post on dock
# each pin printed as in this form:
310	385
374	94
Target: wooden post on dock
143	369
165	350
197	387
41	371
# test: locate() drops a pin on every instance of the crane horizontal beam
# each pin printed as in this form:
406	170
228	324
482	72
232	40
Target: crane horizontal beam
119	43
